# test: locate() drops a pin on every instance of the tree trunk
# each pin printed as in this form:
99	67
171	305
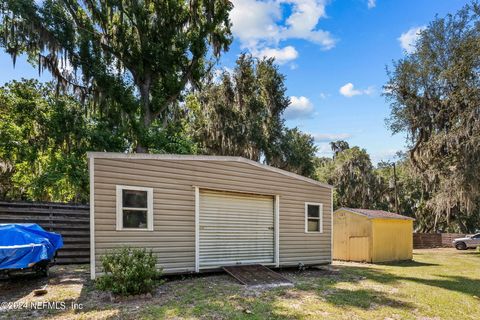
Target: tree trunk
435	222
146	114
460	223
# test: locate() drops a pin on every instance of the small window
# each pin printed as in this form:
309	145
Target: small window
134	208
313	217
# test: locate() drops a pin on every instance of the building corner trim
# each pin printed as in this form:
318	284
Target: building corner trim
92	217
331	227
197	229
277	231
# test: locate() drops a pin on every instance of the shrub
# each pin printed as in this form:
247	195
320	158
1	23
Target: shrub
129	271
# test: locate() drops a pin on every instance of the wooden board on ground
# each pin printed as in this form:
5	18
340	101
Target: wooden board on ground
256	275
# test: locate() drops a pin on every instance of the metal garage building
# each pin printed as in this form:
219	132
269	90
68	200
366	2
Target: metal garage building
204	212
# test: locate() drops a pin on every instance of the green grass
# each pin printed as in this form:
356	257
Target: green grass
437	284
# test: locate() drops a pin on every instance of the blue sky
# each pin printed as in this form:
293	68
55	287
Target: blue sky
333	54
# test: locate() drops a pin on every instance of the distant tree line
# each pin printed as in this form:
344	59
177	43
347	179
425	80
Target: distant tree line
360	184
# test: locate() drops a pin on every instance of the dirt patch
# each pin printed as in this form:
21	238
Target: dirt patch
297	276
64	288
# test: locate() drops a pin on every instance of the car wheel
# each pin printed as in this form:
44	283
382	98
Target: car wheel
461	246
41	269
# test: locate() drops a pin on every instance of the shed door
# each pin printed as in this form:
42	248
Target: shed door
359	249
235	228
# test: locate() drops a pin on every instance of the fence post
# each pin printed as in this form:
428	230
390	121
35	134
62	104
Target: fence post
50	218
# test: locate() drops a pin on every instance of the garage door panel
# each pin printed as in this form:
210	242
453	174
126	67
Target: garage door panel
238	219
235	229
234	256
217	263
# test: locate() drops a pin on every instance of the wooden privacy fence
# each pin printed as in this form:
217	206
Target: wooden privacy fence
72	221
434	240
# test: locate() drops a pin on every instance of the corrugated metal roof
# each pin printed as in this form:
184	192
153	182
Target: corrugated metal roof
179	157
376	214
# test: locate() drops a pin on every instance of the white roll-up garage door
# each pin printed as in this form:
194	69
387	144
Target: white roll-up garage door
235	228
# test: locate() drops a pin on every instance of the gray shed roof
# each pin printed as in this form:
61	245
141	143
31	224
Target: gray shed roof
376	214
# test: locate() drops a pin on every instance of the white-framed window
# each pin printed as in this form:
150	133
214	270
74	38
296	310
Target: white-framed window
134	208
313	217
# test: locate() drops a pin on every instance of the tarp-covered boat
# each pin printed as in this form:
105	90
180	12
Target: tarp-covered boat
26	246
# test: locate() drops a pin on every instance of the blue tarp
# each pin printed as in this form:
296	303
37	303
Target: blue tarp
22	245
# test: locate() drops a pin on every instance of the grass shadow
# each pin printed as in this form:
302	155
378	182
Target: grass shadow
475	252
460	284
407	263
18	286
364	299
355	274
467	285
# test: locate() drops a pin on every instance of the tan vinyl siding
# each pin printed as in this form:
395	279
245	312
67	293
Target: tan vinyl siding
173	183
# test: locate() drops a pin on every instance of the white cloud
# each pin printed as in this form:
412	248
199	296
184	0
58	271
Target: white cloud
348	90
385	155
302	22
408	39
372	4
300	107
324	150
322	141
281	56
217	73
262	25
254	20
328	137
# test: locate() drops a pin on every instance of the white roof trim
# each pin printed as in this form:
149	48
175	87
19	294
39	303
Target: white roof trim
148	156
371	218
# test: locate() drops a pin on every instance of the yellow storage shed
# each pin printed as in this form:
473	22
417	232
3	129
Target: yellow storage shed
371	235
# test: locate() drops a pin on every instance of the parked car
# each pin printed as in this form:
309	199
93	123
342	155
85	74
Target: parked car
467	242
27	248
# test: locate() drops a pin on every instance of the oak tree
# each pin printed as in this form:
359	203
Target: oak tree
130	57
